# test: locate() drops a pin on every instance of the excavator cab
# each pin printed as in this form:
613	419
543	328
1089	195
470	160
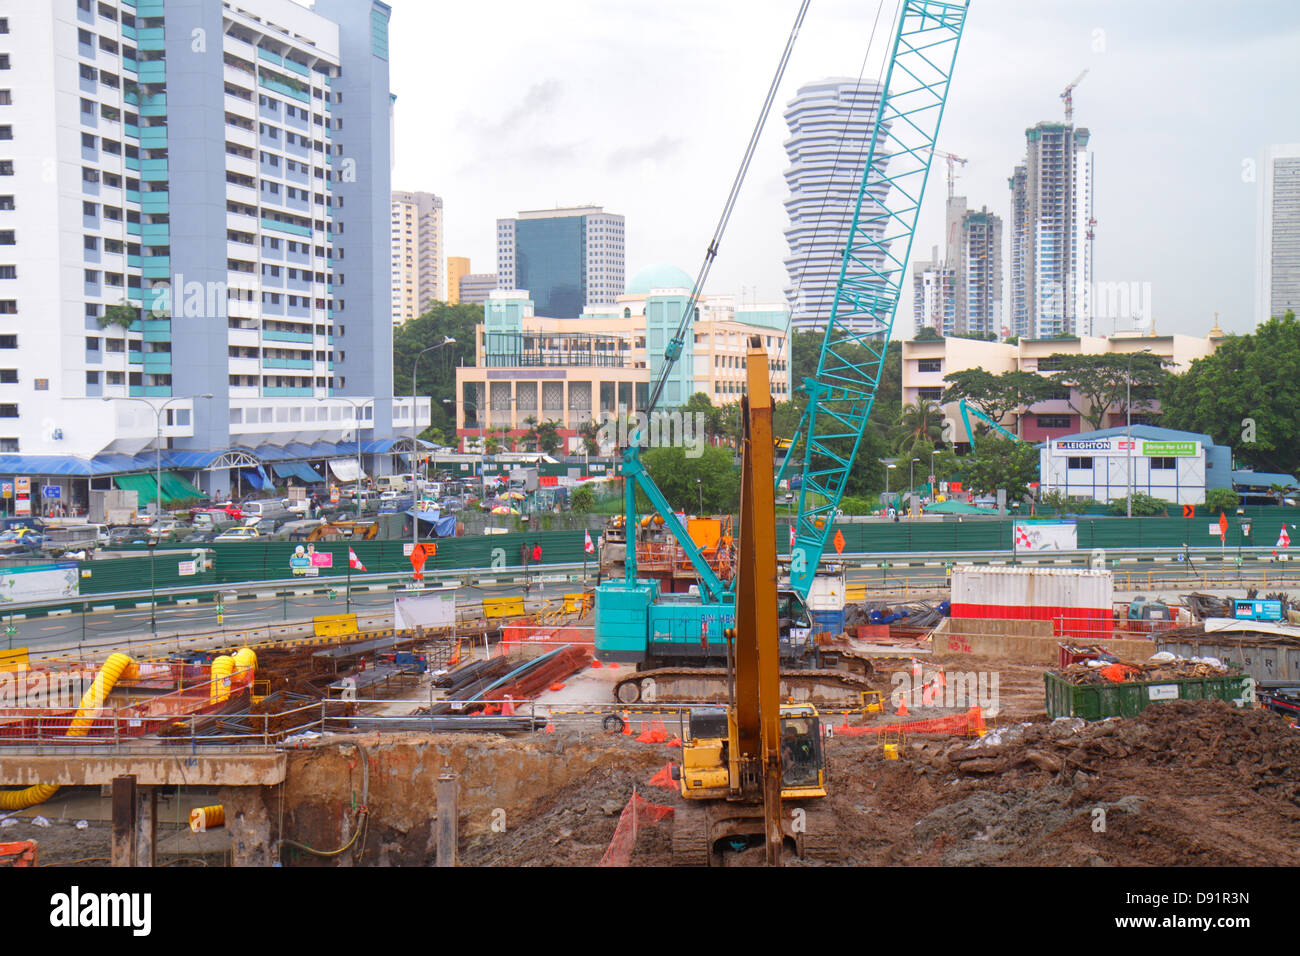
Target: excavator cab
705	772
803	772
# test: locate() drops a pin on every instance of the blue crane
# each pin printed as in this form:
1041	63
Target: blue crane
841	392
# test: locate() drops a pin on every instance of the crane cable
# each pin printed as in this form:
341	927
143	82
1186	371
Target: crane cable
839	145
712	251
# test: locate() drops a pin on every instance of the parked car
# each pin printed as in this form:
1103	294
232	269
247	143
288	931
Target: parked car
239	533
126	534
264	508
451	504
200	537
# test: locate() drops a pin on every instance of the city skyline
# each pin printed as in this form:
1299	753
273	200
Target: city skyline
667	142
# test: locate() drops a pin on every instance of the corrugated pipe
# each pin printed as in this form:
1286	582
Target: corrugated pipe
92	701
206	818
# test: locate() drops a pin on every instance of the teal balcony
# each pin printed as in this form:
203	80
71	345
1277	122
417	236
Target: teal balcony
276	335
286	363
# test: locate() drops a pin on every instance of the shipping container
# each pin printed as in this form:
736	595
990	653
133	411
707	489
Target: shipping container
1076	600
1099	701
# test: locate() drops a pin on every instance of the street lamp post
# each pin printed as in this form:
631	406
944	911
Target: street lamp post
1128	428
889	466
911	484
699	485
357	408
157	435
415	371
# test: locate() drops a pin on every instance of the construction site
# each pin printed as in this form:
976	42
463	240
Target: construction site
708	700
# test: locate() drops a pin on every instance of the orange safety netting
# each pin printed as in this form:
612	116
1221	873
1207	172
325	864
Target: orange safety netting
655	733
664	778
970	724
639	812
22	853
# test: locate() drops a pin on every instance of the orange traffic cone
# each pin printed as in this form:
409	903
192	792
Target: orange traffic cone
597	664
550	724
902	707
508	707
627	725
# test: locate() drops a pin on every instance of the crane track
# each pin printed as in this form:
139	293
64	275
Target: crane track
629	690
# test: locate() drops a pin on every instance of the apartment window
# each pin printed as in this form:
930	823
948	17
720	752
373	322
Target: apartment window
6	167
1053	421
6	132
8	341
92	378
92	343
4	61
929	394
8	272
91	276
91	243
89	175
6	202
1164	464
5	98
4	24
929	365
9	410
1079	464
8	376
8	306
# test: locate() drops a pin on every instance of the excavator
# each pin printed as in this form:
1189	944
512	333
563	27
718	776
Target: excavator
742	762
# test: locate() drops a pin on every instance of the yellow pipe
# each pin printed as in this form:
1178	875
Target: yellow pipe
92	700
206	818
222	668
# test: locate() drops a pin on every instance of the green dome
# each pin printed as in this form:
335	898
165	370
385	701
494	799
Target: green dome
659	277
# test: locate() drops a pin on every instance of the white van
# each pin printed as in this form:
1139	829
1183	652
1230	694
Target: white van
400	483
264	508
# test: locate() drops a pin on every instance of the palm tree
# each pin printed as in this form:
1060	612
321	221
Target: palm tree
530	436
919	428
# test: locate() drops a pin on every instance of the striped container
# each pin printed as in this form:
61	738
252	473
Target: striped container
1077	601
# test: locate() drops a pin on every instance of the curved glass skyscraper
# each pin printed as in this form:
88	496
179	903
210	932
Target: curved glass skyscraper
831	123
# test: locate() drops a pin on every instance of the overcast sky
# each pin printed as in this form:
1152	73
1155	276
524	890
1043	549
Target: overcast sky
645	106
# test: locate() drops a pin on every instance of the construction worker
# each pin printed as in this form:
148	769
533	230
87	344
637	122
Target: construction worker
537	552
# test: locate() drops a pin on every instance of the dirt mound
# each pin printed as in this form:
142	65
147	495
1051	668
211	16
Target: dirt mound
1251	747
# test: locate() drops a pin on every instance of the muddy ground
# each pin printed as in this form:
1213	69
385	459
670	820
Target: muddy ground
1183	784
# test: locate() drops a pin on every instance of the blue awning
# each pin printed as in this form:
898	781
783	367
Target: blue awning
297	449
300	470
271	453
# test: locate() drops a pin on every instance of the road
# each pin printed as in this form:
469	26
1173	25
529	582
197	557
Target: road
904	575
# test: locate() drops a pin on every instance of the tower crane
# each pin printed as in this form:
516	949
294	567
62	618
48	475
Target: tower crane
1068	97
953	162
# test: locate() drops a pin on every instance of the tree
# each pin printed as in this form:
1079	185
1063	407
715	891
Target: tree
583	500
1245	395
1221	499
1102	381
919	428
530	433
675	475
996	462
927	334
437	372
998	395
547	436
589	431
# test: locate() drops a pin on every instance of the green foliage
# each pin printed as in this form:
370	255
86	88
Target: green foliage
918	429
1249	379
122	315
1061	504
437	371
1102	381
675	475
997	462
1221	499
1143	506
852	505
547	436
589	432
928	334
582	501
997	395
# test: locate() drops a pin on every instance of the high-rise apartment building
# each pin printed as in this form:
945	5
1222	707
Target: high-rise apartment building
1051	229
567	259
831	124
194	223
457	268
418	278
475	287
934	295
962	292
1278	246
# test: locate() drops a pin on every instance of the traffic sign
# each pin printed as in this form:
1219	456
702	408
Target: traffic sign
838	541
51	491
1189	511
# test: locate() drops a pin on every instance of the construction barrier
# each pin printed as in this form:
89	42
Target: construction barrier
638	813
494	608
334	625
969	724
22	853
516	635
15	660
